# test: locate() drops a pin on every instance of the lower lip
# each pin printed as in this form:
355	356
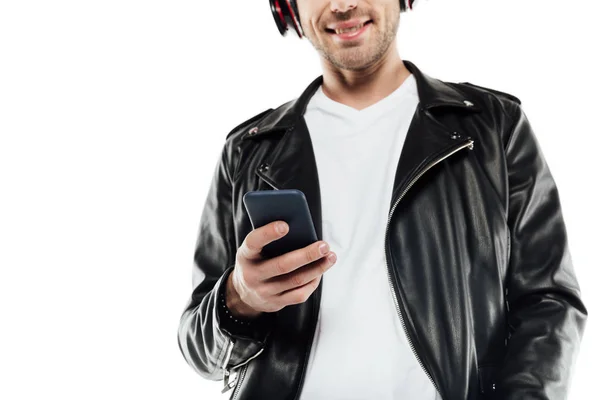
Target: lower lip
352	35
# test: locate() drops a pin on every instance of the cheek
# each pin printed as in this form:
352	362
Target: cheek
311	30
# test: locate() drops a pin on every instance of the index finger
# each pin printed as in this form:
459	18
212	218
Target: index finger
260	237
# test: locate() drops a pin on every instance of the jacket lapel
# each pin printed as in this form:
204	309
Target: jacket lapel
426	141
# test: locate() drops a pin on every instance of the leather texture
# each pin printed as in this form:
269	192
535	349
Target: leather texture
476	247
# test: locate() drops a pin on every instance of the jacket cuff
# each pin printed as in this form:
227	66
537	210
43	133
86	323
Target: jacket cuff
256	329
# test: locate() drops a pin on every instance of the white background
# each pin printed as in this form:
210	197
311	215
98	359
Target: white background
112	117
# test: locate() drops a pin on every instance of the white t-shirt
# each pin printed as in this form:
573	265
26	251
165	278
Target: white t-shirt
360	350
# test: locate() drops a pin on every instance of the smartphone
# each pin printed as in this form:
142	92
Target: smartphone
289	205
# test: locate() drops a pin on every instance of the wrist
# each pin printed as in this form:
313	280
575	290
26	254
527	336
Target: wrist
235	304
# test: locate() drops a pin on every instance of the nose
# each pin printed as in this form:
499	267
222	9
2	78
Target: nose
342	5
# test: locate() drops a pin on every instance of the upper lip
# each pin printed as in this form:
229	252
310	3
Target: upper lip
347	24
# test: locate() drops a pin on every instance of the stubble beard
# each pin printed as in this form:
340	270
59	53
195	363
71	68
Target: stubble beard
358	57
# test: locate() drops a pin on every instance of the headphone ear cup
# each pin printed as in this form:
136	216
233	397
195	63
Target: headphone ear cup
292	16
296	15
285	13
408	5
278	16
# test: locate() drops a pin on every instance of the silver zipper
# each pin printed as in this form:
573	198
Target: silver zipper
270	184
238	382
227	371
469	145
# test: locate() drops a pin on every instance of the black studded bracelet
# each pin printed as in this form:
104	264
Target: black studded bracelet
226	312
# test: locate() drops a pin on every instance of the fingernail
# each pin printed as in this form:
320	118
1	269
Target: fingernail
331	257
323	248
281	227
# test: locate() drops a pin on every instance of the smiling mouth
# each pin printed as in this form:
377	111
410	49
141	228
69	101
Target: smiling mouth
348	30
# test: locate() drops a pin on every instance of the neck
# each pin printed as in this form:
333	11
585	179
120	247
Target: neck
362	88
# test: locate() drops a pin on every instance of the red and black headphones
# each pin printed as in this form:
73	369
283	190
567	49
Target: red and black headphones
285	13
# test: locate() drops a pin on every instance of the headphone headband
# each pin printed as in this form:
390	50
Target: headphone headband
285	13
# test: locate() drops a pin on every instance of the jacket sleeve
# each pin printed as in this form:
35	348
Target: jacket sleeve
210	344
546	316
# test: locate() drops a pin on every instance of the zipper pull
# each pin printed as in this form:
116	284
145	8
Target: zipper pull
228	386
227	371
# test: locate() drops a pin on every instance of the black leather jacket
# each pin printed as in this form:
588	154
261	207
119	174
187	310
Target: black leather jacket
476	250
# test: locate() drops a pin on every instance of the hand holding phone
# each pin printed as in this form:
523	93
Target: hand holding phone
260	284
268	285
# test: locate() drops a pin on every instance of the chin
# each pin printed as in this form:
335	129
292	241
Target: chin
352	59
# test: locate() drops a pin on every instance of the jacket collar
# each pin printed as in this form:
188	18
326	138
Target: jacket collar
432	92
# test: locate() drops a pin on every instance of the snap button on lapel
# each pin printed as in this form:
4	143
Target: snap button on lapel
454	135
253	130
468	103
264	167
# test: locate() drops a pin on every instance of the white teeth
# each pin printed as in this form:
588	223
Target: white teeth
353	29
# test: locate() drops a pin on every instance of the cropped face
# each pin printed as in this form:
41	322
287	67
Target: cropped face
350	34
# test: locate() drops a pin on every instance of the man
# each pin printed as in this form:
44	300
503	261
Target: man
453	277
